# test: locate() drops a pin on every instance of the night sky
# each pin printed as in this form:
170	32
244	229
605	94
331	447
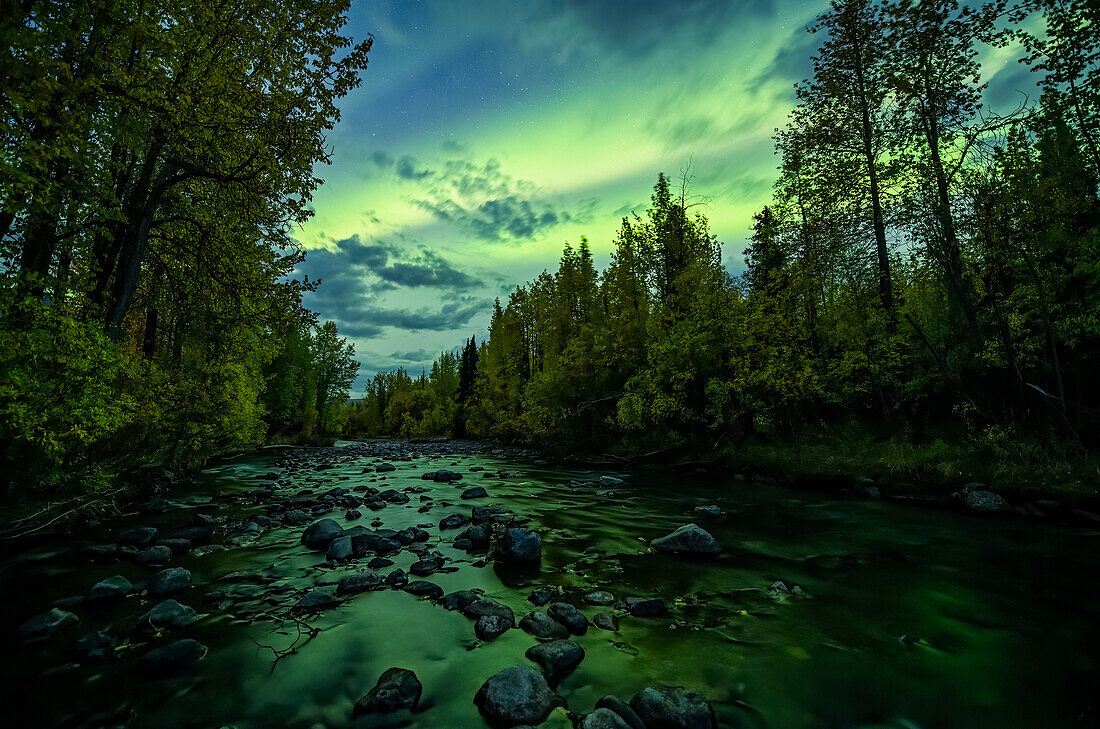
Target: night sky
488	133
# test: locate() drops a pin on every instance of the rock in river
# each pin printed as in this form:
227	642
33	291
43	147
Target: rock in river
622	709
673	708
136	537
319	534
558	658
477	492
361	581
166	614
601	598
45	626
339	549
168	581
711	511
172	657
569	616
519	545
517	695
985	502
454	521
645	607
112	588
688	539
314	601
604	719
543	626
491	627
396	689
423	588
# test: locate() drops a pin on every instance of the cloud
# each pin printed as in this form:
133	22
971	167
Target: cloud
420	355
428	269
406	169
452	315
382	159
488	203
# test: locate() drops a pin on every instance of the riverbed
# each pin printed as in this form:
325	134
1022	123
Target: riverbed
888	615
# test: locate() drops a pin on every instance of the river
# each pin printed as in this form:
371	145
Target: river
911	617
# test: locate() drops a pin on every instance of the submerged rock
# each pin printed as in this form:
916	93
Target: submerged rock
166	614
491	627
321	533
136	537
518	545
543	626
604	719
569	616
985	502
173	657
361	581
315	601
673	708
396	689
688	539
517	695
622	710
645	607
112	588
600	598
168	581
46	626
558	658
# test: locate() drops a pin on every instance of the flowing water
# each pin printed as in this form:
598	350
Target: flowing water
911	617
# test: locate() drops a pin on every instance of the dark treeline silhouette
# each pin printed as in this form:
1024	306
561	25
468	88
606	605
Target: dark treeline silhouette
156	157
926	272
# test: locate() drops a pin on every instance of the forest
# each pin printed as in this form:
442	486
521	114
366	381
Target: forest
151	179
921	295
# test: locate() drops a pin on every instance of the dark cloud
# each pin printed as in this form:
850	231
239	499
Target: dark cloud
406	168
428	269
490	204
451	315
382	159
420	355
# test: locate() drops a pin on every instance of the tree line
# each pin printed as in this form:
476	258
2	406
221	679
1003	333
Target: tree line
927	268
157	157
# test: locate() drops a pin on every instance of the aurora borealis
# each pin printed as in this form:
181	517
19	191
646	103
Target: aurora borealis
489	133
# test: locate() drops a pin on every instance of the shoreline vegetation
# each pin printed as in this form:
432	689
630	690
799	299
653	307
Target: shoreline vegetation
918	309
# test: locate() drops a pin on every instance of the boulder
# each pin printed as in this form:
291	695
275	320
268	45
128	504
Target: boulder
314	601
543	626
673	708
453	521
136	537
166	614
339	549
540	597
645	607
155	555
168	581
569	616
491	627
459	600
321	533
604	719
396	689
361	581
46	626
622	709
485	606
176	656
711	511
558	658
985	502
112	588
518	545
423	588
605	621
688	539
477	492
601	598
517	695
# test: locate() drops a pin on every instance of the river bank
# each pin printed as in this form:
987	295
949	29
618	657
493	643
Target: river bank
312	572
